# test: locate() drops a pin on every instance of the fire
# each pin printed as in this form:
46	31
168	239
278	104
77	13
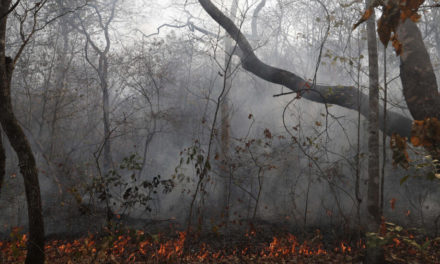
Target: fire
345	248
138	247
172	250
290	247
396	241
143	247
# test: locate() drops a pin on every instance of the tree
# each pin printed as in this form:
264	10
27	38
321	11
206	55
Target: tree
416	61
101	69
225	123
374	254
29	24
20	143
373	126
416	71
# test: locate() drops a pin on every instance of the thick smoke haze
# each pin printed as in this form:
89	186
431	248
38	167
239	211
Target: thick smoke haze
125	103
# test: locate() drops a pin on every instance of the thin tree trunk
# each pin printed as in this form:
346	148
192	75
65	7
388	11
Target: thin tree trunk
60	85
254	23
384	136
373	126
106	115
358	145
374	253
102	71
225	126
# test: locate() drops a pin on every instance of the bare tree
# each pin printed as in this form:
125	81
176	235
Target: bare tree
373	126
19	141
225	120
374	254
102	70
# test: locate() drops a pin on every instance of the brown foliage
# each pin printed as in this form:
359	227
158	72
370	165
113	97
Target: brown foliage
393	13
400	155
424	133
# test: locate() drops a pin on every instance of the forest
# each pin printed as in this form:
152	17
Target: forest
219	131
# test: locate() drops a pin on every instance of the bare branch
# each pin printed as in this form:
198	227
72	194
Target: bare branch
344	96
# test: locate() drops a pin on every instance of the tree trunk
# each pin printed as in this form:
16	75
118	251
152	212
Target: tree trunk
19	142
106	114
28	169
373	125
416	72
374	253
102	71
60	86
2	163
254	23
225	124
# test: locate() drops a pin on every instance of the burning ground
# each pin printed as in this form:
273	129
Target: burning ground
257	245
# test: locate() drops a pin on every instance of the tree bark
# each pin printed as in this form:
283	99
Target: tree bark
374	254
2	163
417	74
103	73
373	124
344	96
19	142
225	124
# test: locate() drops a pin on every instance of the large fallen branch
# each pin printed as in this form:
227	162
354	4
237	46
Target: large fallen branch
344	96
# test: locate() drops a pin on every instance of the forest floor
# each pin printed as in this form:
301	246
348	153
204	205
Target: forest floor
254	246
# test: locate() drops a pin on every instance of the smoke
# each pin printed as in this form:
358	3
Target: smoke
290	161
